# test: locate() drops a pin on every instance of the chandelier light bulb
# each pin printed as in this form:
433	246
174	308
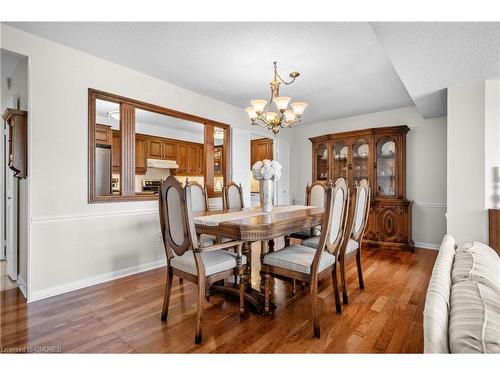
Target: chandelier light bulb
251	113
282	102
299	107
271	116
289	115
258	105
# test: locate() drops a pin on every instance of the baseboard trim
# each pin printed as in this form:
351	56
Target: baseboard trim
426	245
22	286
94	280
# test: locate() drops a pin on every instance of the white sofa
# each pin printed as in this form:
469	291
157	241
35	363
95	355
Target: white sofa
462	307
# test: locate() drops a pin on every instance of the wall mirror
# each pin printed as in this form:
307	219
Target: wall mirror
134	146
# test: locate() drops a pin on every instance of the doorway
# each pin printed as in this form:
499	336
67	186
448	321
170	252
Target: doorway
14	202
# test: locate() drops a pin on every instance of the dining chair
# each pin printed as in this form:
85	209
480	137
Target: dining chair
186	258
315	196
358	220
233	196
310	265
199	203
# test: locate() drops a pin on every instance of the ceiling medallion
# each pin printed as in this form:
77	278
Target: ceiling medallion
261	113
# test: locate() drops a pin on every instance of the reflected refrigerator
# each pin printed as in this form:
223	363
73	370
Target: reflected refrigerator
103	170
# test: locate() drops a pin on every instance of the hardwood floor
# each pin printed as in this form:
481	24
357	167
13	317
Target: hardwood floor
5	281
124	315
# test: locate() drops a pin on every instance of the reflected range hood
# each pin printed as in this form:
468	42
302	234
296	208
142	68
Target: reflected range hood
165	164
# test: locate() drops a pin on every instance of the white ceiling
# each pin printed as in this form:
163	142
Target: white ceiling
346	68
344	71
432	56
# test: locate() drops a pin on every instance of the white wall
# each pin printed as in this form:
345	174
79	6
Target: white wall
466	161
492	144
473	158
426	164
73	243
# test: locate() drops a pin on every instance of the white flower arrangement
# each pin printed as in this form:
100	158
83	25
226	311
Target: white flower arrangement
266	170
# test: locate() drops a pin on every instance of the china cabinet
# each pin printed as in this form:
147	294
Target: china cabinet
378	155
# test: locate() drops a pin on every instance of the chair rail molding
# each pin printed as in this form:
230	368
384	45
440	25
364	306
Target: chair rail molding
429	205
94	216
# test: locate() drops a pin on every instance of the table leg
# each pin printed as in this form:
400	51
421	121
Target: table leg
264	248
247	251
253	298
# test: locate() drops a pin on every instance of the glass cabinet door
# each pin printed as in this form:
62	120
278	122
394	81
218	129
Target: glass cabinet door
360	158
340	160
386	167
322	162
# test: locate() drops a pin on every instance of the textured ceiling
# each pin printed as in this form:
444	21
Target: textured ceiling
432	56
344	70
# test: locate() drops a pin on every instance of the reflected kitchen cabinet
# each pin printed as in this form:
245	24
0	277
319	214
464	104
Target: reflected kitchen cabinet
169	149
103	134
200	159
141	146
194	159
155	148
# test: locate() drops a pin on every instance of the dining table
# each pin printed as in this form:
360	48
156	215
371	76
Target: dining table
254	225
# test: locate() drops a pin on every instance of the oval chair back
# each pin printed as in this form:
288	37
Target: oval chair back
316	194
335	220
199	198
361	210
233	196
177	226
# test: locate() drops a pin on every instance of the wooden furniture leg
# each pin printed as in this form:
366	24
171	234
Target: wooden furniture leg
293	288
263	251
199	318
287	240
166	297
267	292
338	305
315	307
343	280
360	270
247	251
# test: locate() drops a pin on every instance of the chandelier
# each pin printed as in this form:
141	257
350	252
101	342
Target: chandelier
262	114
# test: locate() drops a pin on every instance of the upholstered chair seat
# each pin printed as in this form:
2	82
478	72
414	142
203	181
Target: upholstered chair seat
207	240
298	258
313	242
215	261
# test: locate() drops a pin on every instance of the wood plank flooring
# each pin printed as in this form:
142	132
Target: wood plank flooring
5	281
123	315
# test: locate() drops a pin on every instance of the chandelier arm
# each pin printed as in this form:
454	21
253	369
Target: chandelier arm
263	123
283	81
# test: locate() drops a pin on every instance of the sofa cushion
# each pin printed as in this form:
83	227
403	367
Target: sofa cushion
474	318
478	262
437	302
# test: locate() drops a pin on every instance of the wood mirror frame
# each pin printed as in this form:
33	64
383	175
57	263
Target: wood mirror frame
127	134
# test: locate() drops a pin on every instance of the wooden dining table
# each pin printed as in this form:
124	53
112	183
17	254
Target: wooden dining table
256	226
